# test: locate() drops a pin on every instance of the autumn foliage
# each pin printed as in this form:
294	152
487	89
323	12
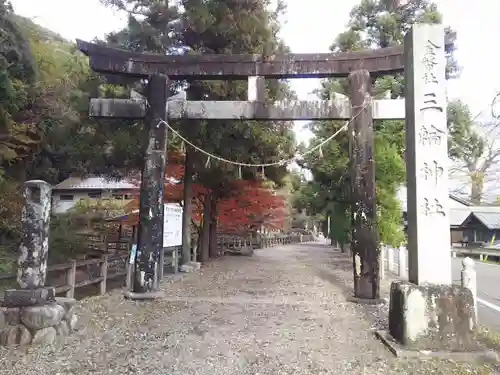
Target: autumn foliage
250	206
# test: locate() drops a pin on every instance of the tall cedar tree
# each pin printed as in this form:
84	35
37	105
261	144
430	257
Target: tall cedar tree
224	27
214	27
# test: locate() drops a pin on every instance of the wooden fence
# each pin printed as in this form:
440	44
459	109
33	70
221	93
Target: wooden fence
68	277
235	242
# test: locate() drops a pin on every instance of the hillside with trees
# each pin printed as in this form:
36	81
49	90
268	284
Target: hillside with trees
45	131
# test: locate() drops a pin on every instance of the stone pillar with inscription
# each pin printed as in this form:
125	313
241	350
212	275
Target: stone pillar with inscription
428	312
33	314
34	247
427	157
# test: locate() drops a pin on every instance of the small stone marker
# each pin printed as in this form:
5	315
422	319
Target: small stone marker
468	279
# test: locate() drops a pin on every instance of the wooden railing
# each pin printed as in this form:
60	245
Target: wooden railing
236	242
68	277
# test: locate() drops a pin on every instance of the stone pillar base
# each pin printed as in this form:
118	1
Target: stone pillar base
190	267
29	297
155	294
37	324
432	317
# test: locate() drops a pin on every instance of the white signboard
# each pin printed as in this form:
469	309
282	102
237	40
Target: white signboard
172	225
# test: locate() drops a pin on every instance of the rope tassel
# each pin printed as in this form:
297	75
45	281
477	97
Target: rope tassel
207	164
263	173
239	173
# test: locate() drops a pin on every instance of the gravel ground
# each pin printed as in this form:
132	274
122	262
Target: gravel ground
282	311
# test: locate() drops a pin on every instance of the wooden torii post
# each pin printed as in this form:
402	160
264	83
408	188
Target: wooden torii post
360	67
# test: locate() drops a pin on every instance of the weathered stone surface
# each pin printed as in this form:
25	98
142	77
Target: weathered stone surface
12	316
29	297
195	265
39	317
62	329
3	322
69	314
150	234
66	302
289	110
432	317
69	306
426	156
15	335
73	322
45	336
187	268
247	251
34	247
318	65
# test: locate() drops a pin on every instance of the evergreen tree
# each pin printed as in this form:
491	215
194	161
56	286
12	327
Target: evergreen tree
221	27
373	24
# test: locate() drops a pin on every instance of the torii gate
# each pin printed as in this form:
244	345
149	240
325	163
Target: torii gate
360	68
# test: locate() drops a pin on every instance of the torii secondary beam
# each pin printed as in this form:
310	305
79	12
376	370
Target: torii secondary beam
109	60
247	110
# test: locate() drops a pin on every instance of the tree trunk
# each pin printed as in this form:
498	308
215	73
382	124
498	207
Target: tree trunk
476	188
205	232
214	253
187	212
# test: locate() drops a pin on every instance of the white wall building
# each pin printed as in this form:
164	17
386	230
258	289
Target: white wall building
66	194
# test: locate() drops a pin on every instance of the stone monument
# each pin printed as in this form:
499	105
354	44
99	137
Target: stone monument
428	313
33	314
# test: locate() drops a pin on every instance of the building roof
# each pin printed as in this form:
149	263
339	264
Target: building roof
94	183
458	215
488	216
460	200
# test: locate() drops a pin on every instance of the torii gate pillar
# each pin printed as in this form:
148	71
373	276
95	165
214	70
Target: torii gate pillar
364	239
150	230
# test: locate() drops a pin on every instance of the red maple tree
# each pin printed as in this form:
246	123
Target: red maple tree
250	207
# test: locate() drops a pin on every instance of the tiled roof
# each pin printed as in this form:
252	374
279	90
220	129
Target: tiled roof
489	216
93	183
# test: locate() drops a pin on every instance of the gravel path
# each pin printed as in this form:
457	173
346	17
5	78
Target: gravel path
282	311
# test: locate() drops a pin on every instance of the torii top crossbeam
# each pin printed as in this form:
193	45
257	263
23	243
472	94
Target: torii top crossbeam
114	61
